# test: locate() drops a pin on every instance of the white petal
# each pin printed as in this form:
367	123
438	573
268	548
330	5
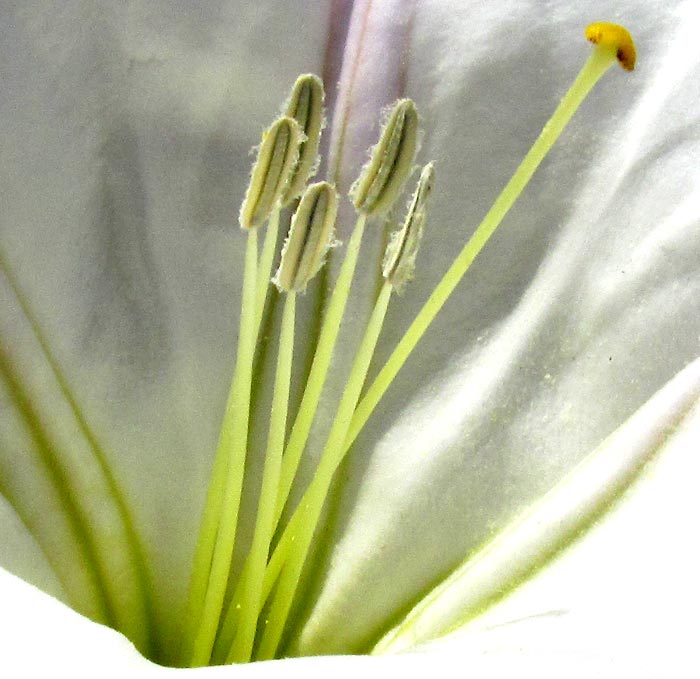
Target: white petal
42	637
576	313
621	602
631	578
125	152
121	121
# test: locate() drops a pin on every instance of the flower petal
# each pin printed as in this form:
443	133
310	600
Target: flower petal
42	637
631	500
622	600
124	161
126	132
576	313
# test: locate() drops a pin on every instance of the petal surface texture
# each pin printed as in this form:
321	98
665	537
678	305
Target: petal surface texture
125	157
585	613
123	161
571	318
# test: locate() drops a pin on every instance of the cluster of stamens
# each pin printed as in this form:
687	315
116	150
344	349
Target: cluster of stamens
249	620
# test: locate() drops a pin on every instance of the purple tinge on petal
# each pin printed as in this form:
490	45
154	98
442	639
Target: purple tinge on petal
367	56
338	33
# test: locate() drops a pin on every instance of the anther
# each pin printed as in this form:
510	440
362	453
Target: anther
391	162
277	157
616	39
305	105
310	236
611	43
400	257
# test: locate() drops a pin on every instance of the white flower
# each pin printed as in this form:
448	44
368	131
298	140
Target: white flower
122	163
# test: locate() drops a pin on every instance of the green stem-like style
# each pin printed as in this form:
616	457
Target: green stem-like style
319	368
251	599
303	524
598	63
234	440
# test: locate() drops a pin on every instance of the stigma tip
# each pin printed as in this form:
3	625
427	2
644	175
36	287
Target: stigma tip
616	38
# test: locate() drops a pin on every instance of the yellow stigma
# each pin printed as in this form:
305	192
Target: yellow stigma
615	38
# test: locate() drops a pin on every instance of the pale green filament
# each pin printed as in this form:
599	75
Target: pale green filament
226	635
305	415
234	439
215	492
319	368
267	256
311	505
596	65
264	272
264	526
206	539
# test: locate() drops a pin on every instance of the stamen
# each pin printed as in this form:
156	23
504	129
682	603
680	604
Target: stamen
302	256
277	157
302	424
376	190
301	528
610	43
319	367
250	597
233	443
305	105
391	162
400	258
278	177
309	237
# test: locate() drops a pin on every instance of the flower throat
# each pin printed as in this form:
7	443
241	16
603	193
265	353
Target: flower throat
248	619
